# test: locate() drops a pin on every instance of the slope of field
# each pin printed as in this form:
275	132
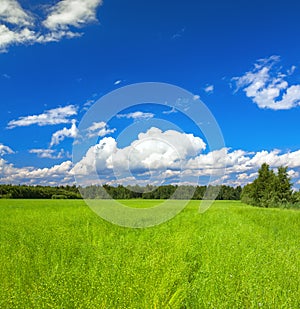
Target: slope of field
59	254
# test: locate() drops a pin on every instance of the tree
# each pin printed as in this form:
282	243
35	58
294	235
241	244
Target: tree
247	195
283	186
269	189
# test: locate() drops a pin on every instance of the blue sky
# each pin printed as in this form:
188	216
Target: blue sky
57	58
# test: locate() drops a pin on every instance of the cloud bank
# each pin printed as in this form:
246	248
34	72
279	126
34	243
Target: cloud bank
155	157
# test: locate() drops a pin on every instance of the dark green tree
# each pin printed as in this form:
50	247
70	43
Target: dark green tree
264	189
269	189
283	187
247	195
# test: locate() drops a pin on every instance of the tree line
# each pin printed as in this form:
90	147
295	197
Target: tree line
39	192
162	192
120	192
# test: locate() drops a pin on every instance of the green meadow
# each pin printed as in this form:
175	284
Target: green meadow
59	254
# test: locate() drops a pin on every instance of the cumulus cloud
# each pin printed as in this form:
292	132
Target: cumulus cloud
243	165
156	149
12	12
96	156
153	150
5	150
19	27
293	174
60	135
268	87
99	129
26	36
56	175
155	157
213	162
247	177
68	13
171	156
136	115
48	153
50	117
9	37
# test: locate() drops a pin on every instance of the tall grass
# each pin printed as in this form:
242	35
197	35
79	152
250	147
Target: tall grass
59	254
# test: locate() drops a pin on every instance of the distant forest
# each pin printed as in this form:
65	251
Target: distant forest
120	192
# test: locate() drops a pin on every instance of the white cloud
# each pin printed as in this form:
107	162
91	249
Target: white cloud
196	97
156	149
293	174
99	129
267	86
172	155
10	37
68	13
54	171
56	36
152	151
155	157
60	135
5	150
15	25
209	89
216	160
275	158
117	82
48	153
96	155
245	165
136	115
12	12
50	117
246	177
56	175
20	27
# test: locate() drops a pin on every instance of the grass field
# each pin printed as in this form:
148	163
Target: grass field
59	254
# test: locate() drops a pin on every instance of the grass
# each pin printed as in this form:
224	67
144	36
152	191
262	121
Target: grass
59	254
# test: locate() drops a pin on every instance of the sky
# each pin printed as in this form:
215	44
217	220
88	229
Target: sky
63	62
